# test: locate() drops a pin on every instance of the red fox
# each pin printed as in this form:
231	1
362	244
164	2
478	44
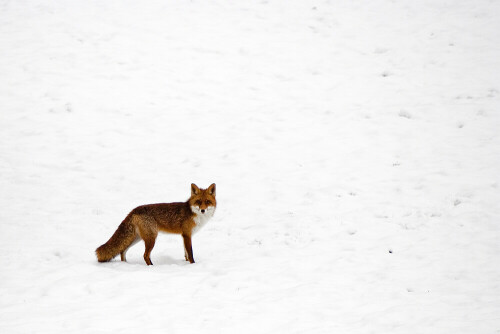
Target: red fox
145	221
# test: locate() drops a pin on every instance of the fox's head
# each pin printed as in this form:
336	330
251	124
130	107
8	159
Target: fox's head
202	201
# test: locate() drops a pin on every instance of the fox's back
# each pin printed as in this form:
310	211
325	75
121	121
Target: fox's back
169	217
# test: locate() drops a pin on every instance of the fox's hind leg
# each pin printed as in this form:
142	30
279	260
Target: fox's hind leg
148	231
149	238
150	243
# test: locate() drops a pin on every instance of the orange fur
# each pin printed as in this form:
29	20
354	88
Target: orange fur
145	221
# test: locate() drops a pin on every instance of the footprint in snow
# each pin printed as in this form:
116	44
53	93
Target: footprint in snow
404	114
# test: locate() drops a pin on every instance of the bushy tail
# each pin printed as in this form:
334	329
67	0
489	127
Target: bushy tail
123	237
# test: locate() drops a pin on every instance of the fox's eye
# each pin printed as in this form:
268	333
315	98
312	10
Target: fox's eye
208	203
198	202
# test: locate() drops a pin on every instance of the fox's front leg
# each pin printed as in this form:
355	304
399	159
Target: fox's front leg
188	248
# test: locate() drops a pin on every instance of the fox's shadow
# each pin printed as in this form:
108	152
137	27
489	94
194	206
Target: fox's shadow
168	260
160	260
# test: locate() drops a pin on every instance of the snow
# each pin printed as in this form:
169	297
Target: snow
354	146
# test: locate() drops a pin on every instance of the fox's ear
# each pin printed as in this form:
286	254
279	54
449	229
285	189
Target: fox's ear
211	189
194	189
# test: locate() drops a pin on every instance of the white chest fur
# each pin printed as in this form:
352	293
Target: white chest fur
200	219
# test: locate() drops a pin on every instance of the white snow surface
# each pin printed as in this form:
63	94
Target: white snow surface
355	146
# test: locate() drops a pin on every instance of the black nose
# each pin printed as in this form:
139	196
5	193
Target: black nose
202	210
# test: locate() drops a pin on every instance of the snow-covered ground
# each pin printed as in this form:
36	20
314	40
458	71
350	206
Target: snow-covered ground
355	146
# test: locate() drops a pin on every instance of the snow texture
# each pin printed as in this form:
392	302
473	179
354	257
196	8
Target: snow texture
355	146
